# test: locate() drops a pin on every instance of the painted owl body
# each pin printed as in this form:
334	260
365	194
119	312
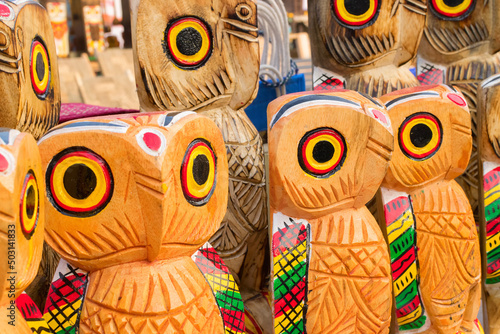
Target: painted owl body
204	56
28	68
131	213
365	46
328	252
21	226
488	134
435	256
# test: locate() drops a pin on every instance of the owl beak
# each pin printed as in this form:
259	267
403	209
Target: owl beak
241	30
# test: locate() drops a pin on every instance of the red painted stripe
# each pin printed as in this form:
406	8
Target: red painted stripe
235	320
291	299
493	227
65	290
493	267
408	308
487	183
395	208
403	263
287	238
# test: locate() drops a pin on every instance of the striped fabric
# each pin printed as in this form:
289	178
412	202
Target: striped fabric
491	182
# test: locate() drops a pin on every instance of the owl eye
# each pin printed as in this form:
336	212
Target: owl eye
39	68
453	10
198	172
356	14
79	182
420	136
29	205
322	152
188	42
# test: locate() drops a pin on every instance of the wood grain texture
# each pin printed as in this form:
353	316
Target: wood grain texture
136	246
367	55
348	283
446	237
22	218
31	90
220	85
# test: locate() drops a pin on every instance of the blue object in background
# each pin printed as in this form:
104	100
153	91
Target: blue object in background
257	111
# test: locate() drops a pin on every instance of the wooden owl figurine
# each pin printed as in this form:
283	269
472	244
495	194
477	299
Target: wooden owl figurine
129	201
365	45
22	219
204	56
456	50
435	258
58	14
94	26
29	77
330	264
489	151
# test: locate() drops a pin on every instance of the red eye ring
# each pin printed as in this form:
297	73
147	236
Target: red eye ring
29	205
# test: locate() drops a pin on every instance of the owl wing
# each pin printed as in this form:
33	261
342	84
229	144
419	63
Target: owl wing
65	299
223	286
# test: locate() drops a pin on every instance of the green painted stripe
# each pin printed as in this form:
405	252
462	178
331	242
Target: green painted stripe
230	300
493	280
492	211
493	254
407	294
296	328
65	331
402	244
294	276
414	324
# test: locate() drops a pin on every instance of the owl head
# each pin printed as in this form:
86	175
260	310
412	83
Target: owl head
327	152
489	114
456	29
28	68
195	55
139	187
433	137
57	11
22	212
352	36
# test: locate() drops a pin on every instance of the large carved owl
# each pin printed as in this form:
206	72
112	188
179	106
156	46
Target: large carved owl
29	75
130	200
434	246
330	264
362	44
22	219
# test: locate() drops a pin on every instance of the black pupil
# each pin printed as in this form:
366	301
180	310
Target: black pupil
201	169
40	67
189	41
30	202
358	7
323	151
420	135
452	3
79	181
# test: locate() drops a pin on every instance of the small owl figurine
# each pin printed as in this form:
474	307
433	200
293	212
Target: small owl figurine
59	20
435	257
204	56
94	26
489	150
365	45
22	219
330	264
129	201
29	76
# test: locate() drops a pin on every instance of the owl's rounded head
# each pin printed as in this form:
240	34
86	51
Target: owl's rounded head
133	187
28	68
327	151
433	137
22	212
195	55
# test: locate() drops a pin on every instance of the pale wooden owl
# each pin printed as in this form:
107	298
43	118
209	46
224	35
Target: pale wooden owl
131	201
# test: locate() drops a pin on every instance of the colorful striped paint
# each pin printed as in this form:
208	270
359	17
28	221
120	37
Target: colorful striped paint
491	186
224	288
410	312
32	314
290	244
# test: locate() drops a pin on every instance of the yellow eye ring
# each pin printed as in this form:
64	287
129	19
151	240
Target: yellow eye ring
198	172
452	11
188	42
29	205
420	136
80	182
355	14
322	152
39	68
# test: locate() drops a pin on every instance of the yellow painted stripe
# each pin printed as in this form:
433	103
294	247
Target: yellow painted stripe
401	283
410	317
493	275
219	283
489	197
62	317
287	261
399	226
284	319
490	242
